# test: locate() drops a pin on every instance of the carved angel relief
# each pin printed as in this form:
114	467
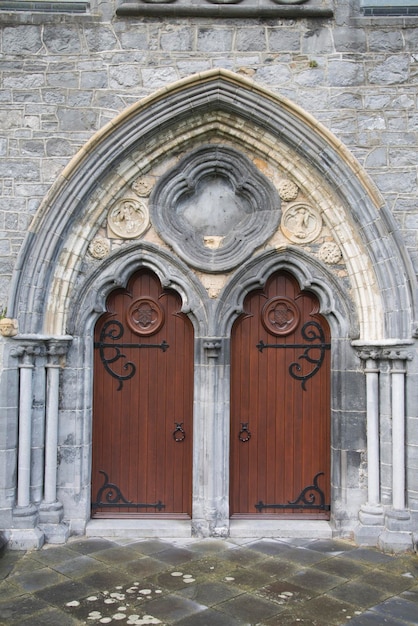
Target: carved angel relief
301	223
128	218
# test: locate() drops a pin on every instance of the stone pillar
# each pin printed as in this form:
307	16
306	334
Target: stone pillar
371	514
25	534
211	436
51	510
398	535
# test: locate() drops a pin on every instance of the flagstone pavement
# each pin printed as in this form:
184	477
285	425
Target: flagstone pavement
207	582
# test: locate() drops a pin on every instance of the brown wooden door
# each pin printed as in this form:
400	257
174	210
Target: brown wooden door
280	404
142	405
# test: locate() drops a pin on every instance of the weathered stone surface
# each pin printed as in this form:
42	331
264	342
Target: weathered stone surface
61	39
21	40
345	73
251	39
214	40
394	70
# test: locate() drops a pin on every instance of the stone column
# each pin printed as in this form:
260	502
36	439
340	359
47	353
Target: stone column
25	534
371	514
51	510
211	436
398	535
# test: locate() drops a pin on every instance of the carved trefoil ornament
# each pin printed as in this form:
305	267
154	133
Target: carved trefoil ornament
215	208
128	218
301	223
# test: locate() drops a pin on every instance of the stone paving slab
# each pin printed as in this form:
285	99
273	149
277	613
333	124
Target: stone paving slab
208	583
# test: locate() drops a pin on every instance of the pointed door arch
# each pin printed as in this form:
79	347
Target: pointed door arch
280	404
142	403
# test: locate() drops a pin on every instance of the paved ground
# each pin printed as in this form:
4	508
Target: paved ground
207	583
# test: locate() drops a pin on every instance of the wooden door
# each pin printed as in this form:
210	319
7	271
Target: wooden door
142	405
280	404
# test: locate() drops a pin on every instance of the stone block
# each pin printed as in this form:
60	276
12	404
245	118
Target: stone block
77	119
23	81
318	41
394	70
21	40
273	74
345	73
135	40
176	40
20	169
126	76
60	39
350	39
95	79
214	40
158	77
250	39
100	38
283	39
385	41
401	181
62	79
58	146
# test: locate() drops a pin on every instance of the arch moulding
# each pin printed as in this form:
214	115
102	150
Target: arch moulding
217	105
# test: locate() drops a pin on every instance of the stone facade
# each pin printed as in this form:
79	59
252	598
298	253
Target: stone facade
101	115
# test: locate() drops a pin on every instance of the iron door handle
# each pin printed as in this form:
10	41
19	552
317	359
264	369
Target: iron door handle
244	434
179	435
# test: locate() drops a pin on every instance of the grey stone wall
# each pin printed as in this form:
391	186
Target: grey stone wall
64	76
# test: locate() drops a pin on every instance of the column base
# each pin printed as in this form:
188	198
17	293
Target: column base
371	525
51	512
25	538
25	516
397	536
55	533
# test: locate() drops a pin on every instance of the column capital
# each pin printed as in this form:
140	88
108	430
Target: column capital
56	350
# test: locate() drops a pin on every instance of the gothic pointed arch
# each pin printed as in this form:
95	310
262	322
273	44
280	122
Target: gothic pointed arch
216	107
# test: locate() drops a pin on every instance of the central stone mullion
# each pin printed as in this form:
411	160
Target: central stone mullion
211	438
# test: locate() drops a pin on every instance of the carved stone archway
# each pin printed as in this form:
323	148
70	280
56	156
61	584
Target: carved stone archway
336	237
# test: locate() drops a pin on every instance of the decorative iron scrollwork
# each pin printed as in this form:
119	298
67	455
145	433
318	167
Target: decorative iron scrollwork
311	331
244	434
179	435
114	497
307	499
114	330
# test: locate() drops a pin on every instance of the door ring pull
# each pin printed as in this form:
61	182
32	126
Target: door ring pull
244	434
179	435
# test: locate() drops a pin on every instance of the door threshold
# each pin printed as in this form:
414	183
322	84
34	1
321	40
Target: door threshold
280	528
172	528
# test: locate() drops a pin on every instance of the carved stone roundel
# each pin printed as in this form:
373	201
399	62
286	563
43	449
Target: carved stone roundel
301	223
214	208
145	316
128	218
280	316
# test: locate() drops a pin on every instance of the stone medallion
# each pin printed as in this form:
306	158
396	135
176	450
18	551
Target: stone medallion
128	218
301	223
